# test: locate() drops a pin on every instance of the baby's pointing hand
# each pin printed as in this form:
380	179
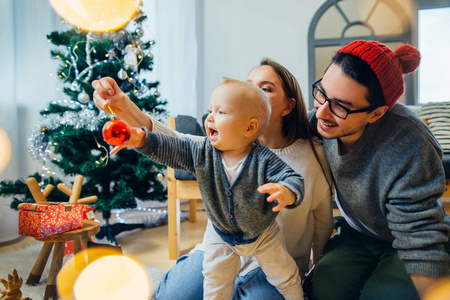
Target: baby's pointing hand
278	192
137	139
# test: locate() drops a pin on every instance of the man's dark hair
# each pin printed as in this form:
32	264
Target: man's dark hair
360	71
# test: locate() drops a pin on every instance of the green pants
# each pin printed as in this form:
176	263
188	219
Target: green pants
355	266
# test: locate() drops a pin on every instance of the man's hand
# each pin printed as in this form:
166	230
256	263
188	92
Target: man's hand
137	139
278	192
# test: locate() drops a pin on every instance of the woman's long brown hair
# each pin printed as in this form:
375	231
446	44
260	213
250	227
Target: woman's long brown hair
295	124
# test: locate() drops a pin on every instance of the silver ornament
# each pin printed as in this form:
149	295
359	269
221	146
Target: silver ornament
83	97
122	74
139	32
130	58
160	176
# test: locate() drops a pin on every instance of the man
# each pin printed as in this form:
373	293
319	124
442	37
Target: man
388	175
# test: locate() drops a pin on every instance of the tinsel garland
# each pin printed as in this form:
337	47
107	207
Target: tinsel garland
86	118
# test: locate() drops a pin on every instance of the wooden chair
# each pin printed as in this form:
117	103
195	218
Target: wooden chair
179	189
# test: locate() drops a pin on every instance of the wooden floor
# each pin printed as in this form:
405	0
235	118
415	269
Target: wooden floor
148	246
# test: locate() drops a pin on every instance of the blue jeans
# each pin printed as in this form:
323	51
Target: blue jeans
185	281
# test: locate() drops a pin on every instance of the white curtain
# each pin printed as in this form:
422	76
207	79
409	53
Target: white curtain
27	87
173	24
8	111
8	115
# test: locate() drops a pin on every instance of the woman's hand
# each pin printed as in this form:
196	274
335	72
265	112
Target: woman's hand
137	139
108	96
278	192
107	93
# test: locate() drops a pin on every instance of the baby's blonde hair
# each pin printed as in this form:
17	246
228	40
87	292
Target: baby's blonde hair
258	100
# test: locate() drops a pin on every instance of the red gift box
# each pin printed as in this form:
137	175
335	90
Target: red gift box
88	215
42	220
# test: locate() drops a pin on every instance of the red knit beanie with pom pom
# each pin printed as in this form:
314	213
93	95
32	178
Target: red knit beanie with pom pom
389	66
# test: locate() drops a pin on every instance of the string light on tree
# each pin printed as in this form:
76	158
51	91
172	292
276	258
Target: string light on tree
160	176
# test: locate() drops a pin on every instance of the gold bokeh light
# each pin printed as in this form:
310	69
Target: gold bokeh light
5	149
96	15
102	274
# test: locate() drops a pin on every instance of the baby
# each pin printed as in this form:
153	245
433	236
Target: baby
234	176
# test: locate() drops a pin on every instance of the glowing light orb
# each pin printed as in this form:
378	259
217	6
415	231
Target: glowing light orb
102	274
96	15
439	291
5	149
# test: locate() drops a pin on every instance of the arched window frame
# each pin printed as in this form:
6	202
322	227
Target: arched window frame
313	43
425	4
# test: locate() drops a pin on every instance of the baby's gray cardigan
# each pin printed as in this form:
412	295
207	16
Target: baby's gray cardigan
238	209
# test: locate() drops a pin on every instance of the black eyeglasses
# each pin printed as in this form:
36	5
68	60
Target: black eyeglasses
337	109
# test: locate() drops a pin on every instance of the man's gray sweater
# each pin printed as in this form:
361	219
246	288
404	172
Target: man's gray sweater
388	187
238	211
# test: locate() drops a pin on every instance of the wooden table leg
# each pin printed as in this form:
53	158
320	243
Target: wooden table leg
58	254
39	265
80	260
85	242
77	247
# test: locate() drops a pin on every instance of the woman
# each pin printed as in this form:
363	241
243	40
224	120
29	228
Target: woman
304	228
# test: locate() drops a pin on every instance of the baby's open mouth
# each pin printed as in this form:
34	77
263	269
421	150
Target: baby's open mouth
212	132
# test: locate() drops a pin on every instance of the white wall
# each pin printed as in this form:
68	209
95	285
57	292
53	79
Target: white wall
29	87
238	33
174	25
8	119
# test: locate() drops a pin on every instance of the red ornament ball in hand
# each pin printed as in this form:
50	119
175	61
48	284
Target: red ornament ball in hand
116	132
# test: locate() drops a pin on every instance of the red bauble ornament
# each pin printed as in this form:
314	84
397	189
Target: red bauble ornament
116	132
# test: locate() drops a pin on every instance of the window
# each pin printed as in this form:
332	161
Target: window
434	46
338	22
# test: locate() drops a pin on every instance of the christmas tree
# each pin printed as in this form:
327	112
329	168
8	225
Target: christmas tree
69	135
